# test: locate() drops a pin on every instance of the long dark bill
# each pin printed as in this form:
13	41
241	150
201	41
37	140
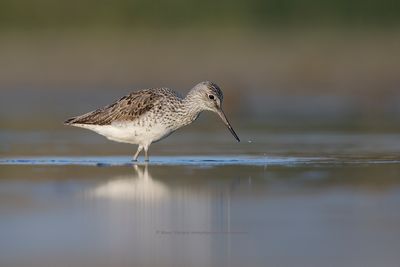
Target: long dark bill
228	125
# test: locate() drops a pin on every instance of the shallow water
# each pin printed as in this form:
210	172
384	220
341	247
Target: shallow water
199	211
284	196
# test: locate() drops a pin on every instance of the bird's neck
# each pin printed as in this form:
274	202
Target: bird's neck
191	108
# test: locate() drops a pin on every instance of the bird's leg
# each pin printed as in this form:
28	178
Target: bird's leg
146	154
137	153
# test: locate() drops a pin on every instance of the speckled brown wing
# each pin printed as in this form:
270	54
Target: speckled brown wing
128	108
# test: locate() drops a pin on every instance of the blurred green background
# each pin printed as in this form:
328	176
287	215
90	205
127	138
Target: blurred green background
286	64
25	14
310	86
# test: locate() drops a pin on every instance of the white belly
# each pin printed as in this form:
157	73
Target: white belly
129	132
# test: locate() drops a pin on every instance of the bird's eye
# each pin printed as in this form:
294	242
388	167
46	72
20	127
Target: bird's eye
211	97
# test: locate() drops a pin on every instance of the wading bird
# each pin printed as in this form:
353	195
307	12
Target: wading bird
147	116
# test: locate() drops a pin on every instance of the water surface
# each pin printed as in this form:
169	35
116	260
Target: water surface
281	197
199	211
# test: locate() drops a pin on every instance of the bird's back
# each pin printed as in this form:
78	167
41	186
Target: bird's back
128	108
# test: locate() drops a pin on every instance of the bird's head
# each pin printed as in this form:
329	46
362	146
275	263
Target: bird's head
209	96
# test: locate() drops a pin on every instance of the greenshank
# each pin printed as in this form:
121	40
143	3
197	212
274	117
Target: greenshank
149	115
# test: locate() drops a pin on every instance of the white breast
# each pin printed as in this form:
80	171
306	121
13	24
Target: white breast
129	132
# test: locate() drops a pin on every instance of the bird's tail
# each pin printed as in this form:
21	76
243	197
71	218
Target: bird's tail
70	121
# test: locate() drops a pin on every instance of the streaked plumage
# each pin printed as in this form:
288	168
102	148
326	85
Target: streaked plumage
149	115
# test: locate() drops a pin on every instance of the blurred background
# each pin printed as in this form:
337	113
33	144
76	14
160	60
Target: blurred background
311	87
284	65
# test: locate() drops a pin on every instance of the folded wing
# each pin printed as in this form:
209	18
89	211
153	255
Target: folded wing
128	108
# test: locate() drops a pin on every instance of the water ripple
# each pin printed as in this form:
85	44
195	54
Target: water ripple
193	160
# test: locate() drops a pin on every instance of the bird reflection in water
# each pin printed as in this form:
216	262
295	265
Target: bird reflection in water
139	186
187	205
138	213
